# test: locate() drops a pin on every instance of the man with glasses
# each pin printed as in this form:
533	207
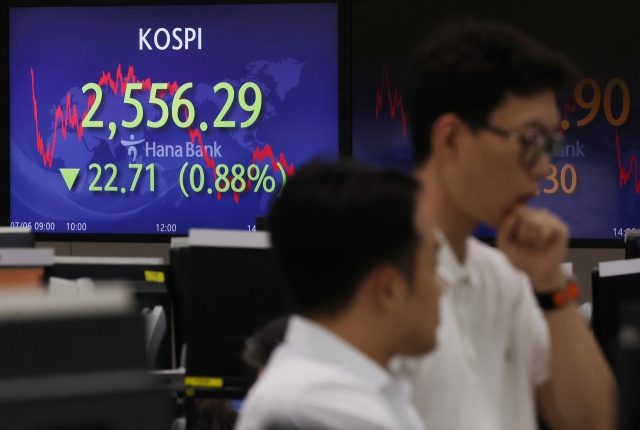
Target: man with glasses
511	342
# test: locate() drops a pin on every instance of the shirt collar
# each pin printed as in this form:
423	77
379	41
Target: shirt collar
450	269
316	342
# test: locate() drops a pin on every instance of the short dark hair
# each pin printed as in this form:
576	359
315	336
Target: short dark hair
467	67
258	348
334	223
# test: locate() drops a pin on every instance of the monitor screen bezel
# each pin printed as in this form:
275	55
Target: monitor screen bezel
344	84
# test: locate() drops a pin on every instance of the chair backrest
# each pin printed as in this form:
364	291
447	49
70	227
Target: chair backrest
155	332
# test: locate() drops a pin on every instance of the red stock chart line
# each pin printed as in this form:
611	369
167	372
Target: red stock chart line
67	116
258	155
394	101
121	83
564	124
625	174
570	107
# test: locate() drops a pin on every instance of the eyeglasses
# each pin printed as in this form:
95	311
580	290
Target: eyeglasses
534	144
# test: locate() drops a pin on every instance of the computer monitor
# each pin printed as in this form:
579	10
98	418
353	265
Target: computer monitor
76	363
146	278
133	269
628	364
614	284
16	237
632	244
235	288
121	403
137	121
595	174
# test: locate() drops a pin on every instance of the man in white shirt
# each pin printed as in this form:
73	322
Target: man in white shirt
484	123
349	246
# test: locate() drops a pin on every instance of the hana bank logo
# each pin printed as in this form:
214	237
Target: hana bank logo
131	145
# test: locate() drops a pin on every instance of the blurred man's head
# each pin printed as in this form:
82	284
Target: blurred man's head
258	348
348	245
483	112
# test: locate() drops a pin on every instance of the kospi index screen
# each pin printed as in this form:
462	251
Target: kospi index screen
152	120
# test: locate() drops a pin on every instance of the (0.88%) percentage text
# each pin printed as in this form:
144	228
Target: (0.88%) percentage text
236	183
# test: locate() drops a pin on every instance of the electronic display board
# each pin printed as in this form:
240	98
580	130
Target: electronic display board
157	119
593	184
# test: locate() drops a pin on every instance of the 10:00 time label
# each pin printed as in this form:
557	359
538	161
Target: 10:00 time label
77	226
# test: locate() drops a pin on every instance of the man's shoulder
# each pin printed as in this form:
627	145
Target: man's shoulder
294	372
289	378
275	396
297	389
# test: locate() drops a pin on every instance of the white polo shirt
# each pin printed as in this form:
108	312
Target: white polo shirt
316	380
493	346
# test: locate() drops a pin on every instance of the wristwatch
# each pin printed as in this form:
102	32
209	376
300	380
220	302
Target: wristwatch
559	298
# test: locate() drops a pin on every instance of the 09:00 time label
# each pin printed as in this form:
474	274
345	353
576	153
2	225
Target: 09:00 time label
36	226
49	226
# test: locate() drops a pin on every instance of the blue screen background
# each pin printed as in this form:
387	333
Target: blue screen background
289	50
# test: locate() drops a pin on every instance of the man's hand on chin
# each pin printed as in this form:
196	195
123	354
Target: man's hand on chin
535	241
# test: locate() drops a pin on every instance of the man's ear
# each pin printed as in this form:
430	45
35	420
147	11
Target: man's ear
387	288
446	133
